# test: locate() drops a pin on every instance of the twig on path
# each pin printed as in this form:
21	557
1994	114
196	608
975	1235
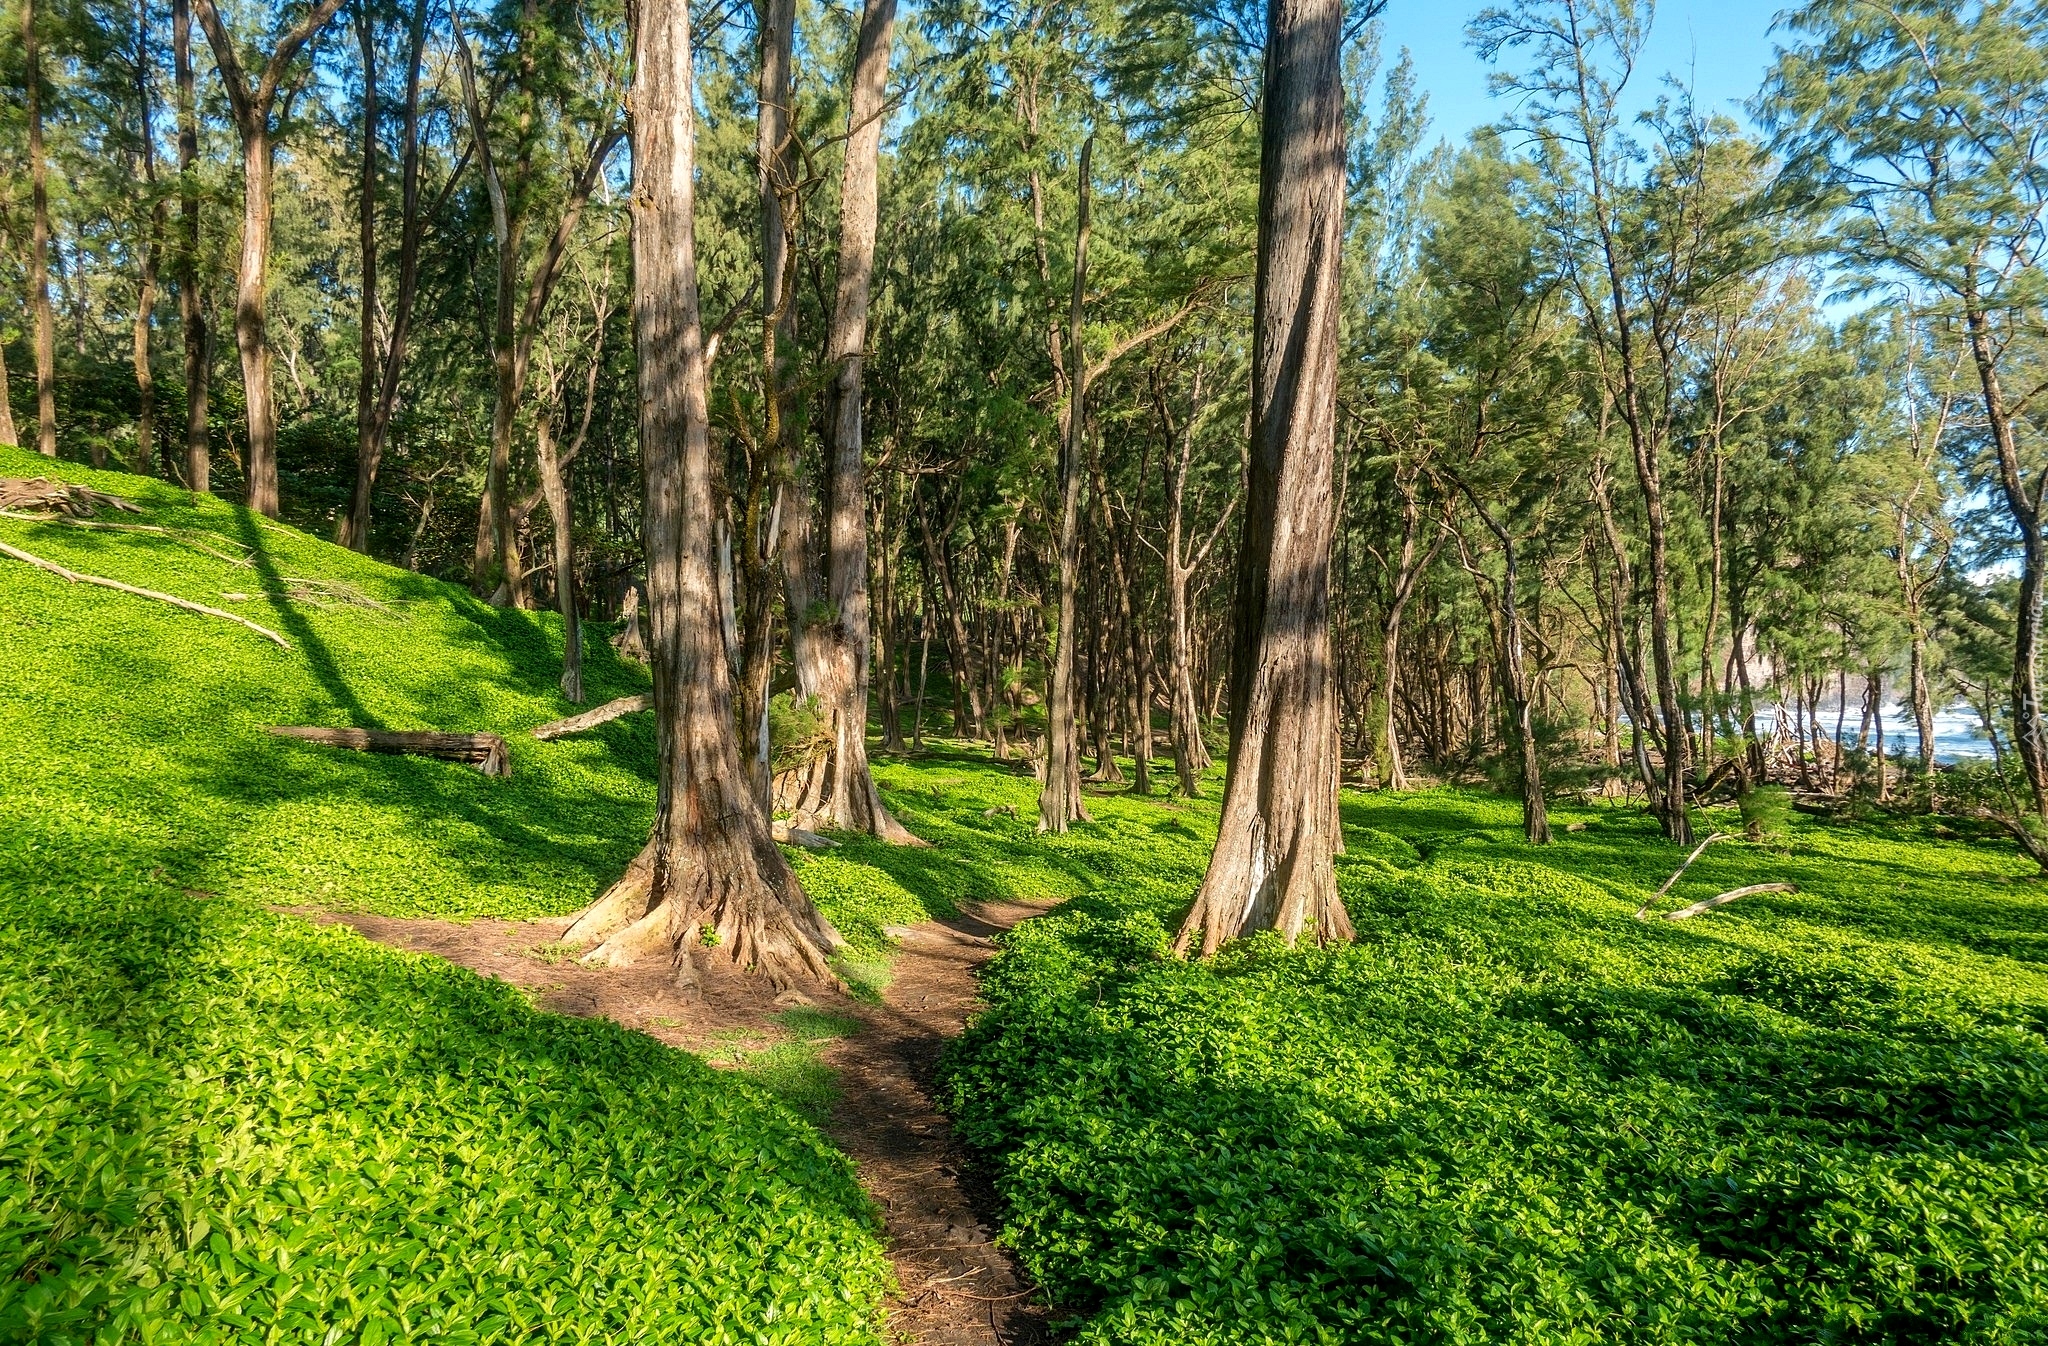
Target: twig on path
101	581
1722	900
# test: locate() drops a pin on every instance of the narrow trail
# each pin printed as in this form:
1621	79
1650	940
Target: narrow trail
956	1288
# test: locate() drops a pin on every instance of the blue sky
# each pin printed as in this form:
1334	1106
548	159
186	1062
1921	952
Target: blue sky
1720	47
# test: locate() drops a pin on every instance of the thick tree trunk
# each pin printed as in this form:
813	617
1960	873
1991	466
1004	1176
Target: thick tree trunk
711	869
252	107
45	323
852	802
1059	803
252	336
191	304
1272	868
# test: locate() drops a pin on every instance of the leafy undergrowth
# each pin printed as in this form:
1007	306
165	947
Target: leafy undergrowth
221	1123
1513	1113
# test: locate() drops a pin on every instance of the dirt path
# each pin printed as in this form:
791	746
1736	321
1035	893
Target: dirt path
957	1288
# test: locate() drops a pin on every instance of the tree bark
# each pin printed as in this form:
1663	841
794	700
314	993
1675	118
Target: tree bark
711	871
1059	803
45	335
191	304
1272	868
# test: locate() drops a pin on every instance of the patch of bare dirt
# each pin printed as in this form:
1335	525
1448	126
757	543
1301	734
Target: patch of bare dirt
956	1287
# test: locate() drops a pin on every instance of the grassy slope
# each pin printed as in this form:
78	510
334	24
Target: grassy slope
218	1122
1512	1113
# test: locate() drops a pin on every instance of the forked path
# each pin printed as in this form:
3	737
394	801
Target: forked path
956	1288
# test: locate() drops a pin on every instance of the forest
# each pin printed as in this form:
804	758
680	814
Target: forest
1021	671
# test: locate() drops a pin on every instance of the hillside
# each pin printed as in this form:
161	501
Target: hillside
1510	1113
218	1121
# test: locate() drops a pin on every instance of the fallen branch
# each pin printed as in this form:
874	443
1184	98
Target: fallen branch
1687	913
116	585
1643	910
486	752
591	719
173	534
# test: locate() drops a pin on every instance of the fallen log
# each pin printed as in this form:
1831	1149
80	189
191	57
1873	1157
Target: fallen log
486	752
1723	899
591	719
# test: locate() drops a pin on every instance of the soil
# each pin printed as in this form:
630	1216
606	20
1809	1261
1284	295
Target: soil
955	1287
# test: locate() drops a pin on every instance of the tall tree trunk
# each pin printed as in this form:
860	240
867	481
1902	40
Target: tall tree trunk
252	335
191	303
1515	681
554	486
373	431
852	801
770	474
45	337
959	648
710	864
1059	803
2025	509
367	380
1272	868
497	570
252	108
152	250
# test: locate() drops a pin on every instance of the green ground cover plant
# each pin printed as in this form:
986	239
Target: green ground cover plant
219	1122
1513	1113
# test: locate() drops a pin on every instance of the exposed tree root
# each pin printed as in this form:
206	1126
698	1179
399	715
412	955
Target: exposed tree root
714	904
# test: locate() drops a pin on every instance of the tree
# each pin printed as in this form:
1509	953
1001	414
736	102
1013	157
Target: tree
253	107
1627	244
1060	803
851	799
377	381
516	318
39	236
191	304
710	874
1273	868
1917	126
